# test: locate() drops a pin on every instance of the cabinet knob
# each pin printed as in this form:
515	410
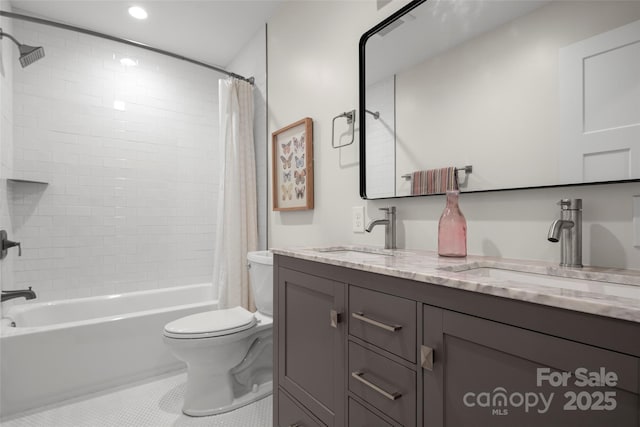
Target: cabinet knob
426	357
335	318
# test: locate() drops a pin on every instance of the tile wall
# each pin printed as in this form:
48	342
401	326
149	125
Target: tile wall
130	156
381	142
7	50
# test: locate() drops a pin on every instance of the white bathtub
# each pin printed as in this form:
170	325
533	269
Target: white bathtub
64	349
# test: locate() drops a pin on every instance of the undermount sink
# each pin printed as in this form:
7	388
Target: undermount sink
580	284
357	250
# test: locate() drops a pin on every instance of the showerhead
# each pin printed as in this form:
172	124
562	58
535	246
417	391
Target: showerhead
28	54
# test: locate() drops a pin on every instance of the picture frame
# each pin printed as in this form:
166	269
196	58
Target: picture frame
292	166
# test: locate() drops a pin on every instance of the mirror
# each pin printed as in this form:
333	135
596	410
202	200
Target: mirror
523	93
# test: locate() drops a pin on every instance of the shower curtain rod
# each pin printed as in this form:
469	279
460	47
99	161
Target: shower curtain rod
121	40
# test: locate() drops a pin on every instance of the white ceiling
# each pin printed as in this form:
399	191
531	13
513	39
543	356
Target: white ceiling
211	31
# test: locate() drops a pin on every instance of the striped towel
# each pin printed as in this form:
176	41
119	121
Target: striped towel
434	181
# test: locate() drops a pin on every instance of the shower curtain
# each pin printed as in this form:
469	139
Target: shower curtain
237	225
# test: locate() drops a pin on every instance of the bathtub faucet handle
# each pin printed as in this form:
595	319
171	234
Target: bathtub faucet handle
5	244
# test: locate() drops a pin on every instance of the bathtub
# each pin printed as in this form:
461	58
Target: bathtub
58	350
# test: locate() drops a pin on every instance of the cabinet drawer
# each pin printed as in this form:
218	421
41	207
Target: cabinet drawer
290	414
386	321
359	416
385	384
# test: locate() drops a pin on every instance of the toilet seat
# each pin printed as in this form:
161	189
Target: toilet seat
211	324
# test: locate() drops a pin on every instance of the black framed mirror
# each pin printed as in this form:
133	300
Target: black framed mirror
511	94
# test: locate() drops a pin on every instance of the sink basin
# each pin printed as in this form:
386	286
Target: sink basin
582	284
356	250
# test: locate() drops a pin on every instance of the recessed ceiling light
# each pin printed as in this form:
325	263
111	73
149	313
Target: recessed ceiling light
138	12
128	62
119	105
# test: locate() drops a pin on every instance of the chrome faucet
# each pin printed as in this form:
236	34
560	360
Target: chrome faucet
568	230
26	293
389	223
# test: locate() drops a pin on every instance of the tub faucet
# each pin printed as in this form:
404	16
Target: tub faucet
389	223
568	230
26	293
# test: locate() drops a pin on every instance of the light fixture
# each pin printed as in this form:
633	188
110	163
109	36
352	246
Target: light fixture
128	62
119	105
138	12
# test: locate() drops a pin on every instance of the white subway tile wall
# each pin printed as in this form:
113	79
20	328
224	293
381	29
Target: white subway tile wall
381	156
6	141
130	155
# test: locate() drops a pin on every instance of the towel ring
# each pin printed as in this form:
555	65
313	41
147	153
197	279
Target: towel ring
350	115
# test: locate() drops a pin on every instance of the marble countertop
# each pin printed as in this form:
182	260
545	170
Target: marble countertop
603	291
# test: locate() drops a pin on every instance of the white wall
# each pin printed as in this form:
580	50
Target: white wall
251	61
131	199
313	71
7	52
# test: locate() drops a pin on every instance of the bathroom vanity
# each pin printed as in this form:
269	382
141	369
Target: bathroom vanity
368	337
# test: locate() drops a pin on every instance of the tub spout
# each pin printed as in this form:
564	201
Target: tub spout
20	293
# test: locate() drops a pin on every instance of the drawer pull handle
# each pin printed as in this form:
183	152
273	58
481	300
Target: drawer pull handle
296	425
335	318
359	376
360	316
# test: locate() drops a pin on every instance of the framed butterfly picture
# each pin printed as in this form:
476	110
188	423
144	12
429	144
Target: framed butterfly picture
292	166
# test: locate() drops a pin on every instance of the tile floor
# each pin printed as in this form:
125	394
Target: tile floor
152	404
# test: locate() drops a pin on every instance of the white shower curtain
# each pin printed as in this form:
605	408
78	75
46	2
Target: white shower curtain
237	226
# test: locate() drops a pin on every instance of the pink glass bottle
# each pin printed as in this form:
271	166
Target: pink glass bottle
452	229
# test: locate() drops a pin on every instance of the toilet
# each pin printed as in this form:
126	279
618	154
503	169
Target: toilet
228	352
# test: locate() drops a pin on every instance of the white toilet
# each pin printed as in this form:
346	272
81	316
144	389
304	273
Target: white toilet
229	353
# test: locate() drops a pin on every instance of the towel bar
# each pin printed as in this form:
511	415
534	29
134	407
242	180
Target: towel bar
467	169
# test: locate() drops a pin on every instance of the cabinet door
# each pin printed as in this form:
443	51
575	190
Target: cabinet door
490	374
311	343
290	414
359	416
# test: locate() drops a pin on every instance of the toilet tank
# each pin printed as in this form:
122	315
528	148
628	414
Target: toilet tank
261	279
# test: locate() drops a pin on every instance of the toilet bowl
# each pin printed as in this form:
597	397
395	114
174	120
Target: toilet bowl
229	352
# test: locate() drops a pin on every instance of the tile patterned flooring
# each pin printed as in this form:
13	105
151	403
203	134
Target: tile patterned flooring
156	403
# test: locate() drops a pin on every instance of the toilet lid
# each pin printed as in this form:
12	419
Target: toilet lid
211	324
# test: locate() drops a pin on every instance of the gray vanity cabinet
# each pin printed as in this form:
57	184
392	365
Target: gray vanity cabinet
491	374
310	350
361	349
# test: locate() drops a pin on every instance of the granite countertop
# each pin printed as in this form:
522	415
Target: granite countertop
602	291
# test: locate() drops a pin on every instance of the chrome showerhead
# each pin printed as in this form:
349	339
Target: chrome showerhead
28	54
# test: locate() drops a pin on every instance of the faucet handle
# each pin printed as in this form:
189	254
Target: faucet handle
388	209
570	204
9	244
